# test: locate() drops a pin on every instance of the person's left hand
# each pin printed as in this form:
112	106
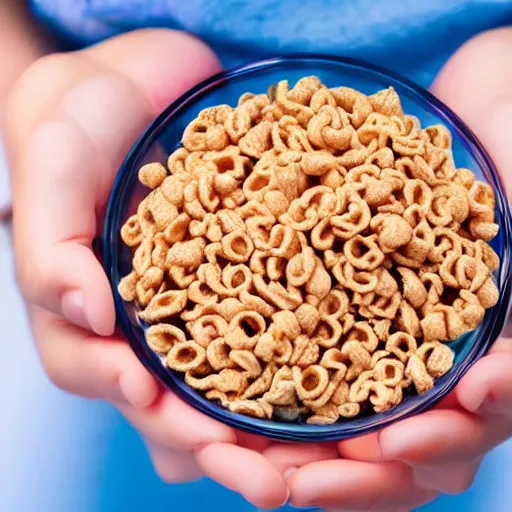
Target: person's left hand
409	463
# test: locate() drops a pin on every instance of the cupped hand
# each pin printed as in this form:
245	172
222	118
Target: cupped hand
410	463
72	119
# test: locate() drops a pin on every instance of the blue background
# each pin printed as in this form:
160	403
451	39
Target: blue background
59	453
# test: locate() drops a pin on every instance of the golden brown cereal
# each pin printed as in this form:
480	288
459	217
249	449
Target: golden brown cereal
307	253
131	232
162	337
185	356
152	175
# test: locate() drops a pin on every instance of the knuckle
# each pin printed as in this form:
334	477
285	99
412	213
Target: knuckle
40	86
28	275
55	371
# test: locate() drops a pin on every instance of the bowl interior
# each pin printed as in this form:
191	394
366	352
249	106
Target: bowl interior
164	136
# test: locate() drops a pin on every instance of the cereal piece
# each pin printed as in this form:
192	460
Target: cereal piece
268	348
181	277
488	293
363	252
443	324
126	287
142	257
349	410
389	371
162	337
217	354
360	389
236	278
257	304
244	330
328	332
226	381
393	231
185	356
201	293
237	246
208	328
358	356
256	408
152	278
226	399
262	384
384	398
164	305
187	254
246	360
155	212
402	345
437	357
365	335
282	389
470	273
300	268
308	317
284	242
417	371
335	304
386	102
311	382
305	352
152	175
319	284
325	397
131	232
275	293
325	415
333	359
285	325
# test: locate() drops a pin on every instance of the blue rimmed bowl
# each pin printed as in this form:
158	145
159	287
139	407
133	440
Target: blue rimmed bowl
164	136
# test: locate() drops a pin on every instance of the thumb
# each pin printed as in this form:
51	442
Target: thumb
73	118
475	83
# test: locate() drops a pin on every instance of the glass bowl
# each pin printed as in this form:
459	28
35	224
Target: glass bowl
164	136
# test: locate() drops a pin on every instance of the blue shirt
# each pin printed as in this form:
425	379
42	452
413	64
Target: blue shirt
413	38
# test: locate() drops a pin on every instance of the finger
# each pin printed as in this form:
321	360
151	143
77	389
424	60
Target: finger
287	458
442	437
351	485
482	69
251	441
173	466
367	448
487	388
448	478
246	472
92	367
364	448
75	147
171	422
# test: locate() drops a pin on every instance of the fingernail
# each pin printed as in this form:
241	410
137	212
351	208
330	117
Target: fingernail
73	309
287	498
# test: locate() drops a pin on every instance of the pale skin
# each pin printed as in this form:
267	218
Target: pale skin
71	118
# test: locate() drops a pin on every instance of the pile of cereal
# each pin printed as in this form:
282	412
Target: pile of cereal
306	255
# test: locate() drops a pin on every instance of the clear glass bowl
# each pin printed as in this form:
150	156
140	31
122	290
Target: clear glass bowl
164	136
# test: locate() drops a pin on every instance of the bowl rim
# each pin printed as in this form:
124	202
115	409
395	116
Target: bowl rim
301	431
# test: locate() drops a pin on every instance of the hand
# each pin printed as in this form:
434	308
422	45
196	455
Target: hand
72	119
409	463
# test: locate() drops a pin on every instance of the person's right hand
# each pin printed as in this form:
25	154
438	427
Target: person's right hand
72	119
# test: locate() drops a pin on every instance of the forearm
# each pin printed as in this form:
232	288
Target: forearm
21	43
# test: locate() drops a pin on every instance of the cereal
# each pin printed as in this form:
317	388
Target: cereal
307	254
